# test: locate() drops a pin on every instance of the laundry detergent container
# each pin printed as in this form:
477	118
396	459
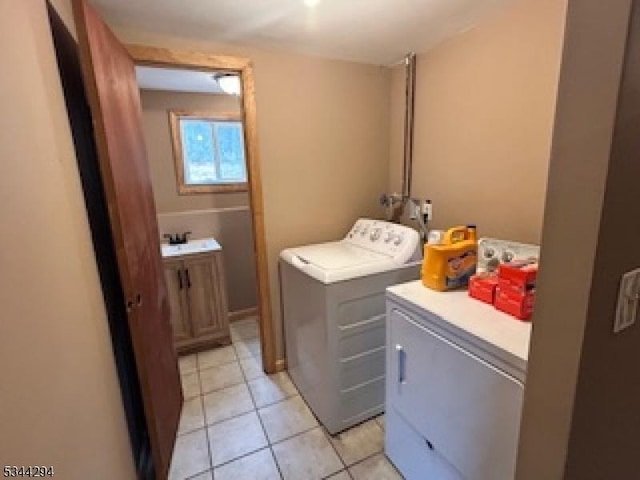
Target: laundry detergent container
451	264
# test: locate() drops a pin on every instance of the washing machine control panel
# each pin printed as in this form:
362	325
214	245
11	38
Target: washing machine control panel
399	242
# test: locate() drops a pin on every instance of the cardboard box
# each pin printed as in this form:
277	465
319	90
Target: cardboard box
483	287
519	305
516	288
519	274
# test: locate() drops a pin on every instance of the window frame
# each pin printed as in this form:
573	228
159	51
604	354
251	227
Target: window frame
176	142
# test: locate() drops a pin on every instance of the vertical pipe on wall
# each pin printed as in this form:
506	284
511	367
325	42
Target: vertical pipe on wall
410	93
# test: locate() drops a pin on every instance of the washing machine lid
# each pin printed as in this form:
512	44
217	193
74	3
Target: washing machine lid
336	261
336	255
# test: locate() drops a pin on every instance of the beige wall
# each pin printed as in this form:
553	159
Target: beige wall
580	414
323	140
484	114
225	216
59	399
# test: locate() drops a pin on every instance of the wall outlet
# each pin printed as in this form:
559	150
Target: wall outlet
628	300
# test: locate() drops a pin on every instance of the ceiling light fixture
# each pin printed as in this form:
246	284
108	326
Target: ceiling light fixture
311	3
228	82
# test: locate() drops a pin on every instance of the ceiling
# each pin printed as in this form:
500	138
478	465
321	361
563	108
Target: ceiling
176	80
368	31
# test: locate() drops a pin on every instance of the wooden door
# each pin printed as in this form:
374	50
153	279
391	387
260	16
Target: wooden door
176	287
207	306
114	99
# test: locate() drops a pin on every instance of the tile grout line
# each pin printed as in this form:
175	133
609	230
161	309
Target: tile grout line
263	375
226	386
256	409
204	413
235	359
201	396
373	454
204	394
295	435
347	467
207	425
210	469
271	404
319	424
368	457
264	430
204	418
246	382
218	422
198	474
270	444
218	366
244	341
344	464
244	455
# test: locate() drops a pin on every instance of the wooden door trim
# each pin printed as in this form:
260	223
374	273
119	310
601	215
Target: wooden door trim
164	57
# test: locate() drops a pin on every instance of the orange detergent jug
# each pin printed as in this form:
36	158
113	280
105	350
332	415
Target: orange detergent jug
452	263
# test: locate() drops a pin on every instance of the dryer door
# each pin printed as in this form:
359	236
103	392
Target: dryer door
467	409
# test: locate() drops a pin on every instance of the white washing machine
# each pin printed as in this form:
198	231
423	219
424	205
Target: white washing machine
333	301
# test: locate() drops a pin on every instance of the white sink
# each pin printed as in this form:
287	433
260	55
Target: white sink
202	245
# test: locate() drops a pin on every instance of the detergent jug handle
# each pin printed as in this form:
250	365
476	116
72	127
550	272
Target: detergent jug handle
472	232
452	232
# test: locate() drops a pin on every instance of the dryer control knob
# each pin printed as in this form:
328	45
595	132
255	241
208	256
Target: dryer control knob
388	237
399	240
375	234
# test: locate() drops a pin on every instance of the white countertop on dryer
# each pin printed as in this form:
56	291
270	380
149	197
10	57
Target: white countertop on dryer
202	245
502	335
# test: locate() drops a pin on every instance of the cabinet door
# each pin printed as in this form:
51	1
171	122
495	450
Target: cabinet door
207	303
176	285
466	408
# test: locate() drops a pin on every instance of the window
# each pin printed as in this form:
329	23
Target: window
209	152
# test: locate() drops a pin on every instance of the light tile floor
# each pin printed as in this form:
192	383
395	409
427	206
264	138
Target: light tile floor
238	423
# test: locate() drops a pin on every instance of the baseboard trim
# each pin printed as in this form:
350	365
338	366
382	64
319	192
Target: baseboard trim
241	314
281	365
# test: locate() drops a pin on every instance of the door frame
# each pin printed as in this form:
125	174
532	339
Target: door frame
164	57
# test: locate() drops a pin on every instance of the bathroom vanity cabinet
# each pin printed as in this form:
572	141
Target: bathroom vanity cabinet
197	297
